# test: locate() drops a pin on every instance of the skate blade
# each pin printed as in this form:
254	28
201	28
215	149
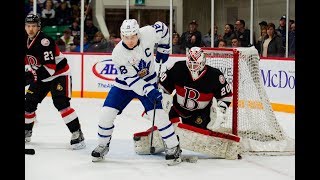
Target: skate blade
78	146
174	162
97	159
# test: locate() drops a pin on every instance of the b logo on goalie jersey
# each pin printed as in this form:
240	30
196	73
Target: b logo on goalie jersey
190	98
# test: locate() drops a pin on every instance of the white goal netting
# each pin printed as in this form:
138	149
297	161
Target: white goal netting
250	115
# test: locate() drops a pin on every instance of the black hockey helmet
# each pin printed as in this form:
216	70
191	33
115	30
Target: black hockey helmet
33	18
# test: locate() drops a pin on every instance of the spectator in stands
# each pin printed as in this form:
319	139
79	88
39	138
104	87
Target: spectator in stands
68	2
100	44
55	3
63	14
90	29
281	30
291	21
292	41
75	12
206	40
263	24
88	10
176	45
263	33
235	42
75	31
242	33
271	44
222	44
48	15
113	38
192	37
66	41
85	45
229	34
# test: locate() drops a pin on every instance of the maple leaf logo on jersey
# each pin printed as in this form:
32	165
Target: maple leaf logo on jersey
143	68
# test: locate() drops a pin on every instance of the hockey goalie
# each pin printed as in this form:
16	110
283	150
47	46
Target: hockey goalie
196	97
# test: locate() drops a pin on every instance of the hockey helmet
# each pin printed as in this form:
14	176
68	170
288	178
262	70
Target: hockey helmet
196	60
33	18
129	27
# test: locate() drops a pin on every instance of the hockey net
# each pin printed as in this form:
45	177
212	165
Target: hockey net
250	115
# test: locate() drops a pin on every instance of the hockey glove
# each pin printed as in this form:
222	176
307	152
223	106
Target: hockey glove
167	102
217	114
154	95
28	78
163	51
159	56
30	75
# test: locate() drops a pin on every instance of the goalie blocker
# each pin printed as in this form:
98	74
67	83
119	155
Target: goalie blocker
211	143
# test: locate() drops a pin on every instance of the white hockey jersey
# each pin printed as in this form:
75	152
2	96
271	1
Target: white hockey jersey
136	69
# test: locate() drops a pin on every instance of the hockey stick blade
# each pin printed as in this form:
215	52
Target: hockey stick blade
29	151
152	150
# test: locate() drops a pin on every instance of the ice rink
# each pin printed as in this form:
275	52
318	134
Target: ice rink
54	160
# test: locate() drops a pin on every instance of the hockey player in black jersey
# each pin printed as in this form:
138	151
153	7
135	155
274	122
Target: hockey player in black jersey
198	86
201	100
47	70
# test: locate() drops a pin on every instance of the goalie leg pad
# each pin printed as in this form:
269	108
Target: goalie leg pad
142	142
214	144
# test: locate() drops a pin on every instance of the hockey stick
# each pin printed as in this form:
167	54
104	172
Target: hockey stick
152	149
29	151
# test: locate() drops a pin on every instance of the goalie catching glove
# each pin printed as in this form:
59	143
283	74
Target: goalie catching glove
217	114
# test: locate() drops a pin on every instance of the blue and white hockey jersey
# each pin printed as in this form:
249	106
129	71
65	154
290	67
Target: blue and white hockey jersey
136	69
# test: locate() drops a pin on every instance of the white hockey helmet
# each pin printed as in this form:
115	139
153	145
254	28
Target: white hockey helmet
129	27
196	61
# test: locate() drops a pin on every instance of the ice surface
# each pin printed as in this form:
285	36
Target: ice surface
54	160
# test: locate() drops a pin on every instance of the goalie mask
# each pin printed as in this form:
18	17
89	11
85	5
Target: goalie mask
196	61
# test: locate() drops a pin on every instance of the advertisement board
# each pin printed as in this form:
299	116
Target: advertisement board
95	74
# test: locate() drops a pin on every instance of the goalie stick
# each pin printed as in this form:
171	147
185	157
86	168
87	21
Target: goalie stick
29	151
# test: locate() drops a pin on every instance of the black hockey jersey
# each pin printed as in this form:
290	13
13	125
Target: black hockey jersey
45	58
194	94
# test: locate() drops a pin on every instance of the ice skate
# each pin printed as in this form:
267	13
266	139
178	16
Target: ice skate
173	155
77	140
99	152
28	134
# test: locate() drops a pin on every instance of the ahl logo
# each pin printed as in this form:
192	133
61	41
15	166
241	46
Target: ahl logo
105	70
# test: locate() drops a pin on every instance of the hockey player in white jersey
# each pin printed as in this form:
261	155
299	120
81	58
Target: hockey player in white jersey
134	59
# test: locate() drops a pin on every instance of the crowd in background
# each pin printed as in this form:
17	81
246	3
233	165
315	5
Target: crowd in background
66	13
270	43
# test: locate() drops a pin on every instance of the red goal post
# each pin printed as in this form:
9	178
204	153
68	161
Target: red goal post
250	115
